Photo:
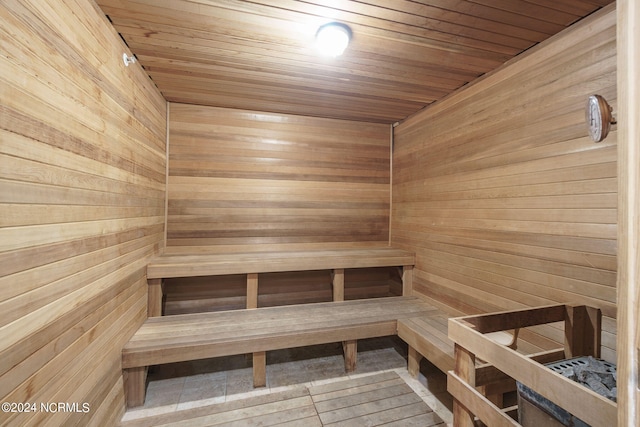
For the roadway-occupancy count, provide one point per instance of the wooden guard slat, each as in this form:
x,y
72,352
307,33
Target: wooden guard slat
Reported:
x,y
477,404
501,321
487,374
465,362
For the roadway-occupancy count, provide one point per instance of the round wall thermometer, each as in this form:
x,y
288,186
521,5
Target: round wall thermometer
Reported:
x,y
599,117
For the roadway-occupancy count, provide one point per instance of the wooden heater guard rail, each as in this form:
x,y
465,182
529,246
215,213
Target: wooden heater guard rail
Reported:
x,y
582,338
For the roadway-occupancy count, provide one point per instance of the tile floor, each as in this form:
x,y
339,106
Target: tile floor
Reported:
x,y
186,385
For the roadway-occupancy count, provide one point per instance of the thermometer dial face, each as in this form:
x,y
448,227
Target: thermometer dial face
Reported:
x,y
598,115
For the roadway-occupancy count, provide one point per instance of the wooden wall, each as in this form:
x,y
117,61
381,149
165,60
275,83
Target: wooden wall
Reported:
x,y
503,196
82,187
252,181
244,180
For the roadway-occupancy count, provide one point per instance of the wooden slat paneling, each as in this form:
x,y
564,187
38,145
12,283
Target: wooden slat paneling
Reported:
x,y
501,194
82,184
260,54
249,181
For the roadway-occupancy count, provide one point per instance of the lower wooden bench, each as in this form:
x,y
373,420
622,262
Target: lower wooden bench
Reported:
x,y
427,337
204,335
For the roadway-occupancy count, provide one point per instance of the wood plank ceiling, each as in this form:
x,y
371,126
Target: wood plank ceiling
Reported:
x,y
259,55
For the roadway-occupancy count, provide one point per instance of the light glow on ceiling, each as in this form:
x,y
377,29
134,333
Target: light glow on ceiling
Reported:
x,y
332,39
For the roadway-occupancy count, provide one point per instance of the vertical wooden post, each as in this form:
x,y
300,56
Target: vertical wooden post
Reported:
x,y
465,368
350,349
260,369
338,284
582,327
252,290
154,297
135,384
407,280
260,358
628,146
414,358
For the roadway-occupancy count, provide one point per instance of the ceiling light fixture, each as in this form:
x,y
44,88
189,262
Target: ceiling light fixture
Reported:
x,y
333,38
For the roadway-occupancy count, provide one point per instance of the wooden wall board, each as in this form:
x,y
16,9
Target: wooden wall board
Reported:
x,y
501,194
82,183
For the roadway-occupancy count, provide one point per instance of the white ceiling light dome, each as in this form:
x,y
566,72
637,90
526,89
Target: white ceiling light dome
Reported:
x,y
333,38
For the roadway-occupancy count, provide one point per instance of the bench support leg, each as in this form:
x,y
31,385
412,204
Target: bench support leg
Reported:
x,y
154,299
135,386
260,369
350,349
414,358
407,280
252,290
337,277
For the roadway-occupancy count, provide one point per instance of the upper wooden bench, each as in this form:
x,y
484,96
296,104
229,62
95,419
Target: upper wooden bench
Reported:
x,y
253,263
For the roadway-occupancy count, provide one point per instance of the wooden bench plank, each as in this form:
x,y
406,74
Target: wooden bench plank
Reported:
x,y
165,266
427,335
192,336
280,319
